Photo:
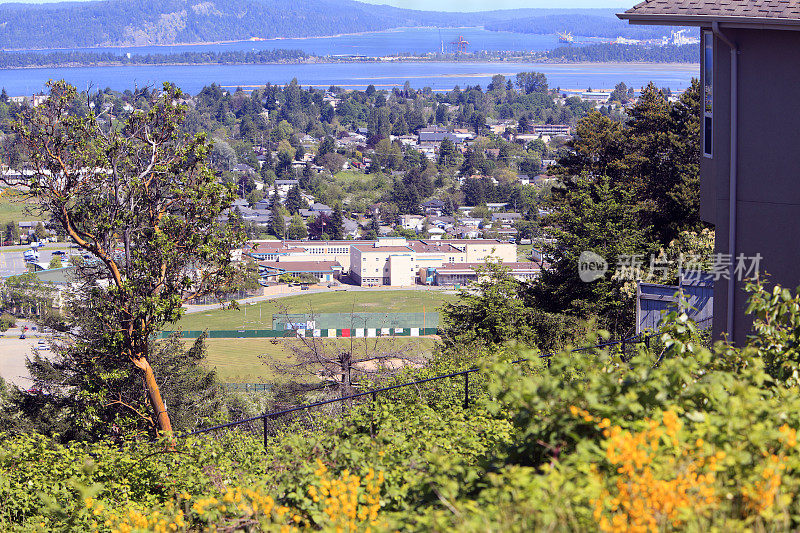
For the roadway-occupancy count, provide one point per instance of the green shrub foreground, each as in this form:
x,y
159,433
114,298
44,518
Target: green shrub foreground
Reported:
x,y
681,437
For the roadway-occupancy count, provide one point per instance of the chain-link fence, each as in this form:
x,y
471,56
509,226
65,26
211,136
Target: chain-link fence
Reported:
x,y
458,388
354,321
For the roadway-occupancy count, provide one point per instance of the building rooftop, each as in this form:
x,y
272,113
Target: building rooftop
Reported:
x,y
301,266
771,13
373,248
461,267
437,246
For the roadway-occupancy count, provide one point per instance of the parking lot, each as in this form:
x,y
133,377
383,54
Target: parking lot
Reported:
x,y
13,353
12,262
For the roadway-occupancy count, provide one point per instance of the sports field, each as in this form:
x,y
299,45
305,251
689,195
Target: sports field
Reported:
x,y
239,361
259,315
13,207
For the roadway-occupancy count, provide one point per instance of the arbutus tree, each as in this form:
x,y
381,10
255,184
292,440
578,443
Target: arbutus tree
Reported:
x,y
140,198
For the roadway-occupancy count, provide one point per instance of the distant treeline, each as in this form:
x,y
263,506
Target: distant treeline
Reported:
x,y
604,25
35,59
610,53
595,53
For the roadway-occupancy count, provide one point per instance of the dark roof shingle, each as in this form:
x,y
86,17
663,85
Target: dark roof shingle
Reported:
x,y
743,11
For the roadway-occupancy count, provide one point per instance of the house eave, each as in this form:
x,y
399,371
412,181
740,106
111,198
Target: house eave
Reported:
x,y
755,23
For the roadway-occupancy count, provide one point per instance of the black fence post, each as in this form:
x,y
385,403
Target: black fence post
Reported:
x,y
266,430
466,390
623,350
372,418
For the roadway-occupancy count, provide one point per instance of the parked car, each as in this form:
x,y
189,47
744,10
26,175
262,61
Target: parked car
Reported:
x,y
22,336
59,252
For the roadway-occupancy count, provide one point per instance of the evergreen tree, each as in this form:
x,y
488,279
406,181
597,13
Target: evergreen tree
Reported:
x,y
297,229
374,228
327,146
448,154
599,215
294,201
277,225
12,232
400,127
336,230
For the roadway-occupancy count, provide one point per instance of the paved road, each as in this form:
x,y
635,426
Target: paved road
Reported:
x,y
13,353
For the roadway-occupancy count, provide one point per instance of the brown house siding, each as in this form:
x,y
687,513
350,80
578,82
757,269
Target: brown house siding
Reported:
x,y
768,191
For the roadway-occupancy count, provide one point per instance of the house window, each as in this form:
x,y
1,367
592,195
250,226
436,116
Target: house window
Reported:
x,y
708,93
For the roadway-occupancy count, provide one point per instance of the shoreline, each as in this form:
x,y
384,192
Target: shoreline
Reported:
x,y
110,64
236,41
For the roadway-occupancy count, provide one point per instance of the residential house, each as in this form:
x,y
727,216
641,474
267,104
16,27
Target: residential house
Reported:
x,y
551,129
434,207
597,96
408,140
471,222
506,219
243,169
436,233
351,228
428,150
443,222
412,222
316,209
748,169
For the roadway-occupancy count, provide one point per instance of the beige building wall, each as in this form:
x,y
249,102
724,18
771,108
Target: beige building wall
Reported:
x,y
478,252
401,270
324,251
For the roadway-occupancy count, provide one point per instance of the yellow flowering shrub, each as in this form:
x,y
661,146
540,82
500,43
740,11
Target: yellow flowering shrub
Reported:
x,y
655,477
347,503
661,475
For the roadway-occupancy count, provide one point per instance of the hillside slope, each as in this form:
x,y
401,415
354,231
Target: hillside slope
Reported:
x,y
144,22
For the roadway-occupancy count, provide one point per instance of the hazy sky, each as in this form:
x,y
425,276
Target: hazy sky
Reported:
x,y
467,5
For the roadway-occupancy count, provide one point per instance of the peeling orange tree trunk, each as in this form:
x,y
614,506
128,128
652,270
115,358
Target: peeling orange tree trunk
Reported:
x,y
154,394
145,188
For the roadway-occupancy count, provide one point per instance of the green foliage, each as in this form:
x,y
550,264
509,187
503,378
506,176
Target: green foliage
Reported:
x,y
584,441
493,311
532,82
7,321
163,214
12,232
596,215
777,330
80,394
297,229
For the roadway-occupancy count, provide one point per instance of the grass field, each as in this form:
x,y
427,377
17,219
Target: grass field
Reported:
x,y
13,208
259,315
237,360
523,251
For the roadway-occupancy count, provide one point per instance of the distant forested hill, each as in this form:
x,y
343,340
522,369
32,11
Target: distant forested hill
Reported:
x,y
143,22
592,25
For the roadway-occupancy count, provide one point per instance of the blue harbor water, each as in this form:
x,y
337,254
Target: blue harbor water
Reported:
x,y
437,76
